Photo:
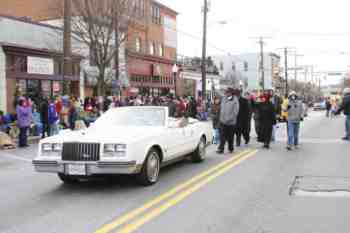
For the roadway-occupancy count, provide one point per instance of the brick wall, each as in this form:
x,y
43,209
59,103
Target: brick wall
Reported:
x,y
37,10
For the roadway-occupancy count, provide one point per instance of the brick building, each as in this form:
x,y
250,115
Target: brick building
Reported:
x,y
151,46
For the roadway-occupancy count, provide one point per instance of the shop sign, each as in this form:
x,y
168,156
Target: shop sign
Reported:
x,y
38,65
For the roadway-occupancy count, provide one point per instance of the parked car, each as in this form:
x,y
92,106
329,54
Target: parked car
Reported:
x,y
128,140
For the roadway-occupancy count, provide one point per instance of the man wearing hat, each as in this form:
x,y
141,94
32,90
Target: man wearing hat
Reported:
x,y
345,107
295,116
228,119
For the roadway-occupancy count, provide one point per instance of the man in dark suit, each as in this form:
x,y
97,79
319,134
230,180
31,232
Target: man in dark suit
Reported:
x,y
243,121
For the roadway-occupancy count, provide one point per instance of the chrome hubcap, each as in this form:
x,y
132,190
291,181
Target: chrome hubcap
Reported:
x,y
153,167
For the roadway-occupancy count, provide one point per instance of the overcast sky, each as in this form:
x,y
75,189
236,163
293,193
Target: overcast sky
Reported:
x,y
318,29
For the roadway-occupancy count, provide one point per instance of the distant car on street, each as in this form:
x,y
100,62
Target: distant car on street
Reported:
x,y
128,140
320,106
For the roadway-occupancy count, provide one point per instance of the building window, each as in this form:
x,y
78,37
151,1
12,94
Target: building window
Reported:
x,y
156,18
139,8
138,44
152,48
246,66
142,8
161,50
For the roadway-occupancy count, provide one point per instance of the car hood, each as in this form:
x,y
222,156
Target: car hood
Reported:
x,y
117,134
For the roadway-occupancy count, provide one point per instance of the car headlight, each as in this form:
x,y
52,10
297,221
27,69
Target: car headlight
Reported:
x,y
114,150
51,149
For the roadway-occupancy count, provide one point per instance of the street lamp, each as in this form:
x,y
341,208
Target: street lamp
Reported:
x,y
175,70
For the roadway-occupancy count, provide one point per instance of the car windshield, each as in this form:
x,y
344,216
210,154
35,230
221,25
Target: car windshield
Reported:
x,y
133,117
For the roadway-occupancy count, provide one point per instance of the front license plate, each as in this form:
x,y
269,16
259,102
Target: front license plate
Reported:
x,y
76,169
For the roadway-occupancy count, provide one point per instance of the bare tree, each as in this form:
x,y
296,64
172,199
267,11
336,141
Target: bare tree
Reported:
x,y
102,27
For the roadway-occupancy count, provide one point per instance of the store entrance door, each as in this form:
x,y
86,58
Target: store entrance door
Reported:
x,y
34,90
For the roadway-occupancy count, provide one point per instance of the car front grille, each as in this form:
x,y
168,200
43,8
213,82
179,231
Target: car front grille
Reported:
x,y
81,151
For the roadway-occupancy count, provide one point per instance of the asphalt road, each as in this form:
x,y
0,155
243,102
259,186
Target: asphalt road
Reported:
x,y
247,192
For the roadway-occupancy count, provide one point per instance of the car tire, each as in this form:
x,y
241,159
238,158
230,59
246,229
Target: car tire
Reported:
x,y
199,154
150,170
67,179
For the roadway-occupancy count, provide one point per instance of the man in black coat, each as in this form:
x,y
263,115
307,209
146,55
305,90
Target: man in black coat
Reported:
x,y
243,121
44,113
267,119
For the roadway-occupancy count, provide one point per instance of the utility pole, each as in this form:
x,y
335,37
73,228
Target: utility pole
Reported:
x,y
261,63
261,42
286,69
296,69
305,79
67,46
204,51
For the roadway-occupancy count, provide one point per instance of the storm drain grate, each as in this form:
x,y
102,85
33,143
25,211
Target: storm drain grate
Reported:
x,y
320,186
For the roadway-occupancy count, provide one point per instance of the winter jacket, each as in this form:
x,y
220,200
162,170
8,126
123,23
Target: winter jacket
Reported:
x,y
295,111
267,118
229,110
345,106
52,114
244,112
24,116
44,112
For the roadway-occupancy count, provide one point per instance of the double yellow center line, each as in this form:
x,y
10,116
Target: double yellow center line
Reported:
x,y
174,196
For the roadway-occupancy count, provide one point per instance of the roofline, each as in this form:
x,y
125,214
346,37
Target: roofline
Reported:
x,y
43,50
21,19
165,7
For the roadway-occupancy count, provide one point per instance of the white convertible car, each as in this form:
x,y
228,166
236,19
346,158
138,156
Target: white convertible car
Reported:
x,y
129,140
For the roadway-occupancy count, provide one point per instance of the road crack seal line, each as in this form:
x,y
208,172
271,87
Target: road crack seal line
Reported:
x,y
137,212
182,195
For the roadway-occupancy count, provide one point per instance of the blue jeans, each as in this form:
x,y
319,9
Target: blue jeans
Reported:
x,y
347,126
53,129
293,133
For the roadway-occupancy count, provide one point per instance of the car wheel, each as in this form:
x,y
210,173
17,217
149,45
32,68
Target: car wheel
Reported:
x,y
199,154
67,179
150,170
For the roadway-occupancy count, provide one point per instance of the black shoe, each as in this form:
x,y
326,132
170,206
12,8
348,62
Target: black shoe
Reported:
x,y
232,151
267,146
289,148
345,138
219,151
238,145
